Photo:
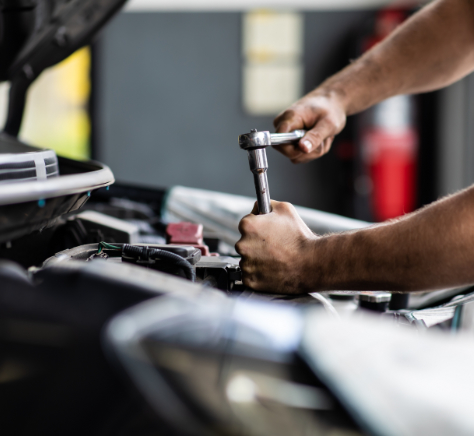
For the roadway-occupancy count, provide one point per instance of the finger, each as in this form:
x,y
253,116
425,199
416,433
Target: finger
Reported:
x,y
283,207
246,276
275,203
247,280
303,157
255,280
247,266
250,282
289,150
238,247
249,274
255,209
315,137
245,226
327,144
321,150
288,121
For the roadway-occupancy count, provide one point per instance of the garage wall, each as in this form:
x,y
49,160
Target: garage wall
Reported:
x,y
455,167
168,103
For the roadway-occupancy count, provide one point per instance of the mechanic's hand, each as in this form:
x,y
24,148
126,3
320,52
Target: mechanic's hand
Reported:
x,y
322,114
276,250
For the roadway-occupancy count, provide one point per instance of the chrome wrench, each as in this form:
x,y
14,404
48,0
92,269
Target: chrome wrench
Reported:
x,y
255,143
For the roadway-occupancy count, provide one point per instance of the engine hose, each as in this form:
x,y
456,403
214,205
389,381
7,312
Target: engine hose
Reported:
x,y
145,253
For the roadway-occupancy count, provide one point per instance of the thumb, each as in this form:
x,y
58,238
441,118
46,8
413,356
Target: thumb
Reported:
x,y
255,209
315,137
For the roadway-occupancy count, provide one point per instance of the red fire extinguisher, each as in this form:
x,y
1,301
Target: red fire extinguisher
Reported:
x,y
389,142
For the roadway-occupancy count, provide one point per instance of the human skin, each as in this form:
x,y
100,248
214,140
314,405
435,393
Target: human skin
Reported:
x,y
429,249
431,50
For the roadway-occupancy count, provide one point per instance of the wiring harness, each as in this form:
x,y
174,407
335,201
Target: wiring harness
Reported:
x,y
156,254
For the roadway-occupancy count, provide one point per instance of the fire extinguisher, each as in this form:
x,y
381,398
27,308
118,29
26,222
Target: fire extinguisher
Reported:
x,y
389,142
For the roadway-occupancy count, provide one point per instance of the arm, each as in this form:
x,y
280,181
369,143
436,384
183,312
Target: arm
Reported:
x,y
432,49
432,248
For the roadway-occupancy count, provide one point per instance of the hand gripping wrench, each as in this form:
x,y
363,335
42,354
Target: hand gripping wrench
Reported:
x,y
255,144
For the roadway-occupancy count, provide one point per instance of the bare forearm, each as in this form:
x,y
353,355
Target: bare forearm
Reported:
x,y
430,249
433,49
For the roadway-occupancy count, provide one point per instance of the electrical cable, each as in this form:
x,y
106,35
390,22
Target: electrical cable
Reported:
x,y
145,253
107,246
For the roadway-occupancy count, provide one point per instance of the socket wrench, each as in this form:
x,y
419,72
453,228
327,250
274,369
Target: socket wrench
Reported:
x,y
255,143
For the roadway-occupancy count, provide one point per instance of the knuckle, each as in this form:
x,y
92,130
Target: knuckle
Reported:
x,y
288,151
341,122
247,280
332,124
336,124
317,111
239,247
316,137
250,280
293,118
285,206
245,226
286,115
256,285
275,204
318,151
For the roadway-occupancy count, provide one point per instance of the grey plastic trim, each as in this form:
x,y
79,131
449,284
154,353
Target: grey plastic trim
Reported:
x,y
246,5
22,192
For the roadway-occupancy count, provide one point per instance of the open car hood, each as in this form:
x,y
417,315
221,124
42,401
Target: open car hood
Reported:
x,y
36,34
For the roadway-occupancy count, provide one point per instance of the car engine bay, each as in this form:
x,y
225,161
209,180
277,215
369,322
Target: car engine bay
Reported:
x,y
123,310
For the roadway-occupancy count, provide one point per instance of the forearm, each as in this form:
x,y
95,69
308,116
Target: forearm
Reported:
x,y
430,249
432,49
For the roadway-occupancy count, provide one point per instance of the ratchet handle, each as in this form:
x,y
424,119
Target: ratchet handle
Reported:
x,y
263,193
259,166
286,138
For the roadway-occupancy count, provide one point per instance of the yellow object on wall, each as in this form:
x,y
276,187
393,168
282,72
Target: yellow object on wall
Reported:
x,y
56,113
272,71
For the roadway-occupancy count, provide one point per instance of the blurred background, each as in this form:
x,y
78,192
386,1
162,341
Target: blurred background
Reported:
x,y
166,89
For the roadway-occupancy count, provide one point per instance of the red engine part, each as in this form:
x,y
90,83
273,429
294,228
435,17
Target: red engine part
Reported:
x,y
187,234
